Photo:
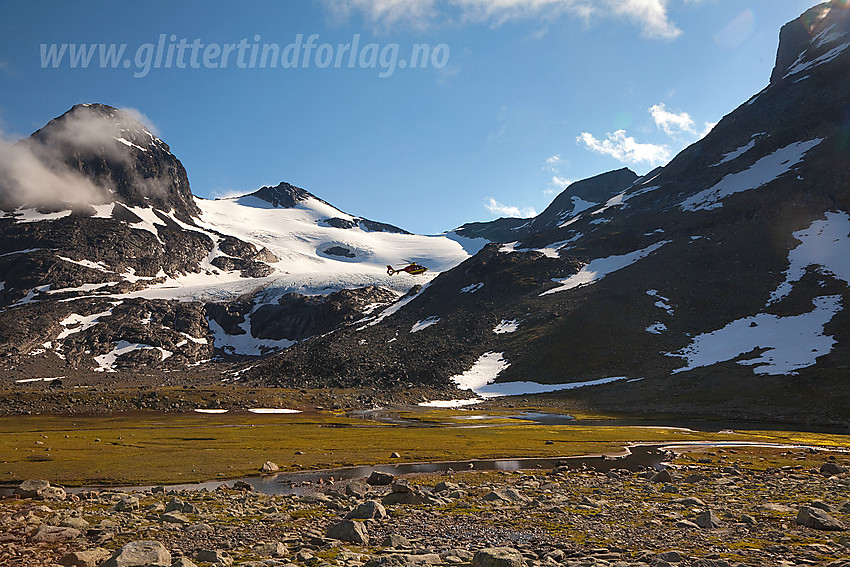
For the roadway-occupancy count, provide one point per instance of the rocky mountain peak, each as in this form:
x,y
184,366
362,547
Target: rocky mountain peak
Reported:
x,y
283,195
95,154
817,36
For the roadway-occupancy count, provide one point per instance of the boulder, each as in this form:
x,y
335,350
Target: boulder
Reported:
x,y
269,467
508,495
174,518
350,531
378,478
183,562
830,468
126,504
445,485
53,534
88,558
687,524
403,560
396,542
670,556
356,489
54,493
273,549
32,488
75,522
498,557
708,520
145,553
411,498
689,501
214,556
369,510
711,563
818,519
662,476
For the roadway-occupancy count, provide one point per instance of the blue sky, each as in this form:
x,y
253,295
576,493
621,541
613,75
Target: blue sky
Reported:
x,y
512,100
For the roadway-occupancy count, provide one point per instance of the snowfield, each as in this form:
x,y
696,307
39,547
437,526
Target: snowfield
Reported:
x,y
480,379
762,172
601,267
782,345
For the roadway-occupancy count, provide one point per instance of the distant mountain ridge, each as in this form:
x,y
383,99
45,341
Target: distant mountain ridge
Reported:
x,y
716,284
108,262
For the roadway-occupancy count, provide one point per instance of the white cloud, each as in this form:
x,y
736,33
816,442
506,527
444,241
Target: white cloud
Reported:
x,y
672,123
709,126
675,124
649,15
385,13
553,162
561,182
503,210
625,148
557,184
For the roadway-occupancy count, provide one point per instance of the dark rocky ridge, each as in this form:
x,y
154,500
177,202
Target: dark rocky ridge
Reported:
x,y
594,190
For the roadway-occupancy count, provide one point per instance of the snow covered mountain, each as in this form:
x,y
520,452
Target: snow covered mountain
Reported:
x,y
717,283
108,261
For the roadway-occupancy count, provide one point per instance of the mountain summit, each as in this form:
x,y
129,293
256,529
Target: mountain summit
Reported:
x,y
95,154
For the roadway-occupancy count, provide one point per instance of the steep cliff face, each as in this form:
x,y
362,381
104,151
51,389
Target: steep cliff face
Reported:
x,y
117,154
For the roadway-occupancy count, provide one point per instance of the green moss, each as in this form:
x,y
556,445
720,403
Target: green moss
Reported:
x,y
153,448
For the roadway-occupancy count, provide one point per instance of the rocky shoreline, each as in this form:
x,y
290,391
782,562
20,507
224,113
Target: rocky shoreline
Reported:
x,y
708,509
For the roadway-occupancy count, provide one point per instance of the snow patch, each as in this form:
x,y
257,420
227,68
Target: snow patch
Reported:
x,y
799,66
601,267
506,326
450,403
787,343
32,215
245,344
106,362
212,411
761,173
824,244
29,380
273,410
79,323
579,205
480,379
656,328
99,266
736,154
620,199
424,324
472,288
394,308
662,303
